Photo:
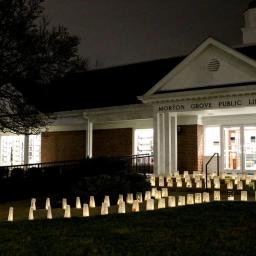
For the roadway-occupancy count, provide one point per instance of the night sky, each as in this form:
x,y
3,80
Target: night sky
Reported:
x,y
117,32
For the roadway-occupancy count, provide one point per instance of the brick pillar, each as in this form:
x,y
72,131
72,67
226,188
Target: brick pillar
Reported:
x,y
190,148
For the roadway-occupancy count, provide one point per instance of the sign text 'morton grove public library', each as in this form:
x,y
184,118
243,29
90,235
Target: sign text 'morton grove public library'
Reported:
x,y
205,105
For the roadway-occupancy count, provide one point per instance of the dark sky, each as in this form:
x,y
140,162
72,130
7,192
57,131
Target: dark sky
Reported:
x,y
116,32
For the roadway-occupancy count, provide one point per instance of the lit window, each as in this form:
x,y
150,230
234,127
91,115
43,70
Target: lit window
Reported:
x,y
34,149
211,140
143,141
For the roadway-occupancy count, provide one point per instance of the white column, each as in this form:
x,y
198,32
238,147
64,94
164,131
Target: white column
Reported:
x,y
165,143
89,138
174,145
26,149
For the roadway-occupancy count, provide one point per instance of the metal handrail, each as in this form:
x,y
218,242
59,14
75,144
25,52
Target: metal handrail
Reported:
x,y
206,166
135,161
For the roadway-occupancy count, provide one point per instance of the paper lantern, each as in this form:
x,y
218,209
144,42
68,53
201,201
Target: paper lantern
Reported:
x,y
244,175
168,179
240,185
190,199
153,192
179,183
86,212
212,174
217,183
243,195
187,179
164,192
161,181
248,180
104,208
231,196
176,174
67,213
161,203
121,207
152,180
107,201
49,213
189,184
209,183
135,206
230,184
199,184
92,202
206,197
158,194
171,201
78,203
170,183
129,198
47,203
181,200
139,197
147,195
223,175
195,174
186,174
237,179
234,174
197,178
120,199
198,198
64,203
33,204
31,213
150,205
216,195
10,214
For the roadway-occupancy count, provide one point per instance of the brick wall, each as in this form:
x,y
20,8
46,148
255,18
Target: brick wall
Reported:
x,y
112,142
190,148
61,146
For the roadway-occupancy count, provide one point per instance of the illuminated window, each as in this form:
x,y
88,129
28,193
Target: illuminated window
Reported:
x,y
143,141
211,140
34,149
12,150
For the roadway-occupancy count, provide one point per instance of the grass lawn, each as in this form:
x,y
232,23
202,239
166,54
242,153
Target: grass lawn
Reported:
x,y
218,228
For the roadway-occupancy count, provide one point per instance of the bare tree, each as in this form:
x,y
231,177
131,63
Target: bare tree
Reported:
x,y
30,52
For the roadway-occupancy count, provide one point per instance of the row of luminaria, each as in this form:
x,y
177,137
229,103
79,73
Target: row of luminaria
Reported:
x,y
201,182
152,202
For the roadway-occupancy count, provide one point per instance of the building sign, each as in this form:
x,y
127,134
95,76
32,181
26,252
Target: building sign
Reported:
x,y
207,104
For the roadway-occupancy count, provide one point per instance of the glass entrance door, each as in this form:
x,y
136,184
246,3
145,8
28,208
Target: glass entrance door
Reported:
x,y
232,148
249,148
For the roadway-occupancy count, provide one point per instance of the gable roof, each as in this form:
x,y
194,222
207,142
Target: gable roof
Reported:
x,y
198,70
100,88
106,87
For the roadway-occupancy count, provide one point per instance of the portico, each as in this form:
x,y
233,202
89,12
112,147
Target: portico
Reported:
x,y
209,83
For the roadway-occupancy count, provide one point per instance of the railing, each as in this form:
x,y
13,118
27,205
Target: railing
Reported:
x,y
140,164
206,166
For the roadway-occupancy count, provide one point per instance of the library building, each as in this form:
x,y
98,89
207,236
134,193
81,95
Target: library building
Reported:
x,y
181,111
